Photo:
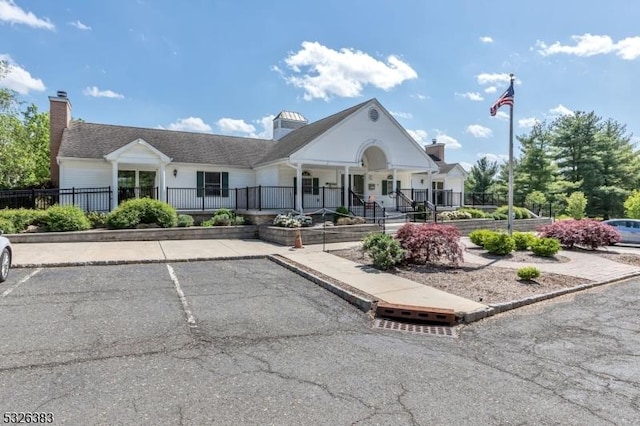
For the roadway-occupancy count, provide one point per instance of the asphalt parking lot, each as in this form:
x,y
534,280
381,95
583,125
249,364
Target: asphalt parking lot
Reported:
x,y
248,342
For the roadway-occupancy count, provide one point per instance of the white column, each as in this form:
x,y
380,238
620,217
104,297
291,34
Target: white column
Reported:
x,y
345,201
430,187
162,191
395,185
299,188
114,185
462,193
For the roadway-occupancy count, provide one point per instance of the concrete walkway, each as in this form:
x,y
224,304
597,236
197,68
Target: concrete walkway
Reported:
x,y
379,285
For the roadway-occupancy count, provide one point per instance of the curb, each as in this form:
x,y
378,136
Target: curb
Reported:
x,y
499,308
134,262
362,303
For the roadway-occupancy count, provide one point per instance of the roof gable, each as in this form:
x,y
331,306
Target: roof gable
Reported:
x,y
297,139
131,146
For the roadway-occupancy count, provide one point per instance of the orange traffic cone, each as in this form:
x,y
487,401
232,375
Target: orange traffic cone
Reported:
x,y
298,242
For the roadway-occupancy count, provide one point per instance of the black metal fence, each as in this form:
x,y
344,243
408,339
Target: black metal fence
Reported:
x,y
88,199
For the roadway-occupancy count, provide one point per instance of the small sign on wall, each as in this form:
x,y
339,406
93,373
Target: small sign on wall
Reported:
x,y
372,187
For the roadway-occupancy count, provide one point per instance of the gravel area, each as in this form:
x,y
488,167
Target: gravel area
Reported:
x,y
485,284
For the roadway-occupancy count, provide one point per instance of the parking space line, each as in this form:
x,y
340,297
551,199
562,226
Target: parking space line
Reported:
x,y
185,305
25,279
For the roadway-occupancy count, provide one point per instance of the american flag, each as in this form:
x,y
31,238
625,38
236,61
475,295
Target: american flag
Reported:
x,y
505,99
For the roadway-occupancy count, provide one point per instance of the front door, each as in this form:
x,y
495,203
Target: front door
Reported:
x,y
136,184
358,185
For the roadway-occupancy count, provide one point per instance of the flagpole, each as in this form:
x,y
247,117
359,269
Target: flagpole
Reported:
x,y
510,210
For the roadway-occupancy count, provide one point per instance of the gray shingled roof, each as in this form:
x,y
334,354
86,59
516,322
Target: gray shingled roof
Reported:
x,y
87,140
444,167
295,140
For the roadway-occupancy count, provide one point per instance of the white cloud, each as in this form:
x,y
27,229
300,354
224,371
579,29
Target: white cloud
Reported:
x,y
449,142
561,110
95,92
79,25
501,115
242,128
232,125
419,97
527,123
420,136
12,13
323,72
479,131
406,115
494,78
190,124
486,39
19,79
590,45
491,89
466,166
494,157
472,96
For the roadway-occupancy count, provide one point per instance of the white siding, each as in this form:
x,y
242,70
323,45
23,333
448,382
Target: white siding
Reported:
x,y
85,174
343,143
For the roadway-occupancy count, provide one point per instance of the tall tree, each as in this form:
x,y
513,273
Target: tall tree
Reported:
x,y
483,174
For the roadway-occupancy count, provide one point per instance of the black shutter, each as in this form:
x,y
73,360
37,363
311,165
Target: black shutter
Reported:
x,y
200,184
225,184
384,187
316,186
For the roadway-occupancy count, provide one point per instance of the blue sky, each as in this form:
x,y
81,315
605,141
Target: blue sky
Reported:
x,y
227,67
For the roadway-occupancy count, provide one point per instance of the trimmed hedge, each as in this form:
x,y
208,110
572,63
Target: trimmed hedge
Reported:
x,y
65,218
134,212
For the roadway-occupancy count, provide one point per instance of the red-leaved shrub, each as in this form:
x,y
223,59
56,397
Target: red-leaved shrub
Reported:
x,y
584,233
429,243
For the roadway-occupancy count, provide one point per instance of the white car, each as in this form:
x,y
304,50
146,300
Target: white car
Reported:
x,y
5,257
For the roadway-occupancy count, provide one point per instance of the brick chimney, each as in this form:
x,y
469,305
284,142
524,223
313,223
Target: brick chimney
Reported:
x,y
435,150
59,119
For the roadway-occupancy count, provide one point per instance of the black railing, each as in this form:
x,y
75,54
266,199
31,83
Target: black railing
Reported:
x,y
199,199
88,199
484,199
127,193
403,202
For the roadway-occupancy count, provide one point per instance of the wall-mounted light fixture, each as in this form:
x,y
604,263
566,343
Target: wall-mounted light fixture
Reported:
x,y
421,180
175,173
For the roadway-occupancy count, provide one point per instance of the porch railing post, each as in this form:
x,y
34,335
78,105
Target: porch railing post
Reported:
x,y
236,198
323,191
260,197
204,193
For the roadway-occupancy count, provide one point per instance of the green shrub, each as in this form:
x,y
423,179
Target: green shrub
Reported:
x,y
523,240
384,250
518,212
421,212
97,219
545,247
185,221
499,216
22,218
499,243
341,211
528,273
65,218
7,226
207,223
576,205
479,236
137,211
221,220
475,213
223,212
238,220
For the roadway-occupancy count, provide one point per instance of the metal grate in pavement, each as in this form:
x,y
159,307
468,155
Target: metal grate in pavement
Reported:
x,y
432,330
